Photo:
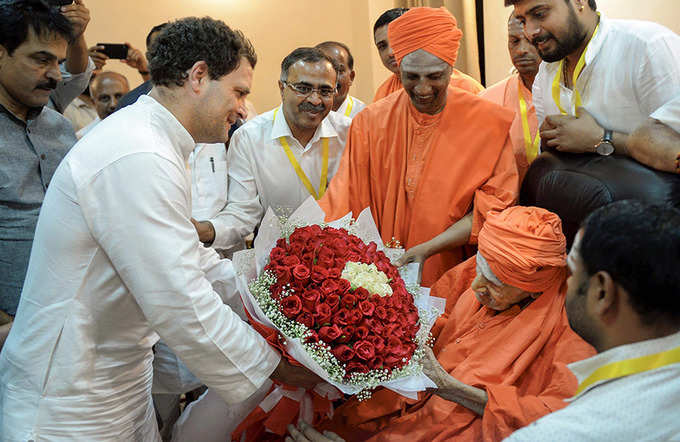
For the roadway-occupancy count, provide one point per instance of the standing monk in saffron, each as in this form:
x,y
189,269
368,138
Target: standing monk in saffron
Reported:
x,y
430,160
393,83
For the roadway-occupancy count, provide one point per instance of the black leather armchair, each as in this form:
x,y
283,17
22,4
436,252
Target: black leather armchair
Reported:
x,y
572,185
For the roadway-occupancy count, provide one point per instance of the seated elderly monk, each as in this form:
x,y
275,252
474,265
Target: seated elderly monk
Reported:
x,y
503,344
429,160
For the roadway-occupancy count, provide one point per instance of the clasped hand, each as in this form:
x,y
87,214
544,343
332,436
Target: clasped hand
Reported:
x,y
567,133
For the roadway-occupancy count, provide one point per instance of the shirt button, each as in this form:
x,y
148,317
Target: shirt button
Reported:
x,y
43,156
481,325
457,340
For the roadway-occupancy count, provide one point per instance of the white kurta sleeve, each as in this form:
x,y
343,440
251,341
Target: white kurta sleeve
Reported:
x,y
138,210
658,73
537,94
244,210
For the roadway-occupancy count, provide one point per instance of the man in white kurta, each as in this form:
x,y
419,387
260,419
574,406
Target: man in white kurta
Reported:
x,y
116,264
601,78
343,103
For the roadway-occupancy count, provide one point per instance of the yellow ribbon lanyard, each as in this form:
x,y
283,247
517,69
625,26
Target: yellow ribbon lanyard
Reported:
x,y
348,112
631,366
530,146
558,78
301,173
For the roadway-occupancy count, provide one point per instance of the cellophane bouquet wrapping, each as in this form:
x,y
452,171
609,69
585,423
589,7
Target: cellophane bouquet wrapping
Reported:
x,y
337,303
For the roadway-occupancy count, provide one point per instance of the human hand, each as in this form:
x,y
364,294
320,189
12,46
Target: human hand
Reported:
x,y
136,59
78,15
418,255
305,433
205,230
99,58
567,133
434,370
295,376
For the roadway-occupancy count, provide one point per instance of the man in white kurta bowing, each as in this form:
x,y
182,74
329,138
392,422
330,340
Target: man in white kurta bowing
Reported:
x,y
116,262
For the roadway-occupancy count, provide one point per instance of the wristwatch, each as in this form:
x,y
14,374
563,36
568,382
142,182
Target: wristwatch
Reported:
x,y
605,147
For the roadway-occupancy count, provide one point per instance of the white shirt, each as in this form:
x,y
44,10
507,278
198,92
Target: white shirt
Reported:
x,y
669,114
115,264
632,69
351,106
639,407
261,176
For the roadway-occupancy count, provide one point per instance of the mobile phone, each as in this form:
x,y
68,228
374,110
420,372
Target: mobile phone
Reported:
x,y
59,2
114,50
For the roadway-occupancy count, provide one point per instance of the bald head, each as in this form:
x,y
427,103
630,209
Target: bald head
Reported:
x,y
106,89
344,65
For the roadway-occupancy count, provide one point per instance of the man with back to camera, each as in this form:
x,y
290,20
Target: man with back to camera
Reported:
x,y
123,265
106,89
393,83
514,93
602,78
343,103
623,300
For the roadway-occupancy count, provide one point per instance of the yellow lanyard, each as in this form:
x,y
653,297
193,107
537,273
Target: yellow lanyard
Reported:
x,y
631,366
348,112
558,78
301,173
531,147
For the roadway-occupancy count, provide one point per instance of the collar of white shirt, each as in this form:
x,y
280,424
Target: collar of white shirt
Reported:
x,y
592,50
583,369
280,129
168,124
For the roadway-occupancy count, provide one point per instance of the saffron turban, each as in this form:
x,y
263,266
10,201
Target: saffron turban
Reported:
x,y
525,247
434,30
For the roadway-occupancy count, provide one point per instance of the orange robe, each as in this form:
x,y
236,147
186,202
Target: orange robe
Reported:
x,y
420,173
506,93
458,79
517,356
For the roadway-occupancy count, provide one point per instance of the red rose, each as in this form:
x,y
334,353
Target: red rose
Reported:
x,y
381,313
341,317
367,308
306,318
295,249
291,306
330,333
326,254
348,300
392,361
364,350
290,261
355,316
313,337
309,299
327,264
329,286
282,275
333,301
378,328
343,353
301,273
376,363
339,246
340,263
300,235
378,343
394,330
308,259
281,243
355,367
277,253
322,313
361,294
334,272
361,332
347,334
344,286
319,274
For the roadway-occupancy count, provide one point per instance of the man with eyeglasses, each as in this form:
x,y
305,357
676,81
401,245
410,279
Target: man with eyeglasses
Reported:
x,y
430,160
283,156
343,103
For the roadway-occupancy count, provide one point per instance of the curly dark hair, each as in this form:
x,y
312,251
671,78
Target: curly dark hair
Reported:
x,y
184,42
17,16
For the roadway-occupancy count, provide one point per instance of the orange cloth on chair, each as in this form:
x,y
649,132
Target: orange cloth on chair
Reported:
x,y
505,93
517,356
420,173
458,79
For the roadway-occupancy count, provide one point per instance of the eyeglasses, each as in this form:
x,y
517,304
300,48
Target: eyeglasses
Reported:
x,y
305,91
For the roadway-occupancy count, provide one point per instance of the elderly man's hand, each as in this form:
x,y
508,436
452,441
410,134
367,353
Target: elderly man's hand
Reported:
x,y
295,376
305,433
566,133
433,370
78,15
136,59
99,58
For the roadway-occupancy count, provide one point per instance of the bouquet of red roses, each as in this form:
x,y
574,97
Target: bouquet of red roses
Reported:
x,y
337,303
